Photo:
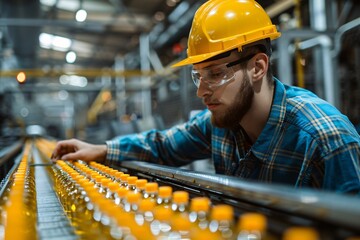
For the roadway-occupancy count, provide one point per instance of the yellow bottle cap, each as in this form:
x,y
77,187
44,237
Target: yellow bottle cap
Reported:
x,y
222,212
105,182
301,233
151,187
132,180
165,191
98,178
200,204
118,175
124,177
180,197
140,183
252,221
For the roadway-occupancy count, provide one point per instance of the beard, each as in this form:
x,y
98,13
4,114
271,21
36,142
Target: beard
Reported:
x,y
237,110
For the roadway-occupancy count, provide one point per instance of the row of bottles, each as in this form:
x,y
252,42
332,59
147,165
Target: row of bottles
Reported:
x,y
18,202
104,203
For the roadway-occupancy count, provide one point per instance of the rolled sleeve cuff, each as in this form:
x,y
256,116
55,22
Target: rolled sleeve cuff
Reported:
x,y
113,152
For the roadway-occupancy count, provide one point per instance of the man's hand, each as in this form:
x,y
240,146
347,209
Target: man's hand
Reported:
x,y
74,149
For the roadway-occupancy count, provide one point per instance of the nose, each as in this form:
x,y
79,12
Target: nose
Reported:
x,y
203,90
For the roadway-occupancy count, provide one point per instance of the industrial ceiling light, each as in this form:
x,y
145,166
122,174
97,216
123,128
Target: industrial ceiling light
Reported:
x,y
70,57
81,15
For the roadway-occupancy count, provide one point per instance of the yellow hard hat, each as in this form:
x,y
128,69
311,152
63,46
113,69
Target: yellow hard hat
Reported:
x,y
222,25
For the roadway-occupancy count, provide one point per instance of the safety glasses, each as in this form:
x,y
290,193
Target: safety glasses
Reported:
x,y
216,76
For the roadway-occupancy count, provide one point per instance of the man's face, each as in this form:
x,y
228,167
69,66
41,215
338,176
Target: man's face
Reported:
x,y
229,102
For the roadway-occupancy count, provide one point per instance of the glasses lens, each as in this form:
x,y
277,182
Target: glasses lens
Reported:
x,y
195,75
213,77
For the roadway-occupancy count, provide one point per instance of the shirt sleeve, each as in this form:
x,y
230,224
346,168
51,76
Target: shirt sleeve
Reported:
x,y
176,146
342,170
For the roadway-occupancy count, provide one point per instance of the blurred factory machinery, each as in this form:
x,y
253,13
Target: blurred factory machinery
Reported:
x,y
98,69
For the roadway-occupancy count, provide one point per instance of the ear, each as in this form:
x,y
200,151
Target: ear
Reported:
x,y
260,66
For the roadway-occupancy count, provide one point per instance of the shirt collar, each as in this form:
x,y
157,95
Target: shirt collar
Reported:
x,y
274,122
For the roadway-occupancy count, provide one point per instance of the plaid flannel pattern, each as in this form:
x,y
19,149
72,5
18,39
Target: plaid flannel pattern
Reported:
x,y
305,143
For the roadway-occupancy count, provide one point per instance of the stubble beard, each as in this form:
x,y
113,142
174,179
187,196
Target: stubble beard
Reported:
x,y
237,110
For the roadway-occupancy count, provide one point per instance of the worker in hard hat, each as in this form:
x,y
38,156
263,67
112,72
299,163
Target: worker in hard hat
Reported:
x,y
254,127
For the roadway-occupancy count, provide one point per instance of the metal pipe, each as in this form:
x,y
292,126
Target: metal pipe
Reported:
x,y
340,32
146,110
325,43
329,207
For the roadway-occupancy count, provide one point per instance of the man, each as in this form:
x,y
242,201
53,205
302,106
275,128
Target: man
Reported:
x,y
254,127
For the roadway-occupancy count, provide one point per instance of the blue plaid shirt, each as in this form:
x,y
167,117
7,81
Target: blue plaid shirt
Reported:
x,y
305,143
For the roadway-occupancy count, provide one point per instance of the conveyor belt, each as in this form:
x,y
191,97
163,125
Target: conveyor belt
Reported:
x,y
52,222
334,216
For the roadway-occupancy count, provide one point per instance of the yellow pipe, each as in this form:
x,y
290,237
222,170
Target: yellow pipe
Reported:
x,y
298,55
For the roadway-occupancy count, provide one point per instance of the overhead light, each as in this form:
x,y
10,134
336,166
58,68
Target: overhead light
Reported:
x,y
70,57
81,15
21,77
73,80
58,43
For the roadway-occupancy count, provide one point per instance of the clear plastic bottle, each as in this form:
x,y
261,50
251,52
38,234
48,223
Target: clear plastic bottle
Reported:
x,y
120,196
140,186
180,227
222,220
118,177
132,200
151,191
252,226
111,190
180,202
124,181
104,185
132,183
200,212
161,226
145,212
164,196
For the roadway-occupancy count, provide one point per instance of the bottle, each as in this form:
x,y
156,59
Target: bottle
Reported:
x,y
140,186
161,225
124,182
104,184
180,227
132,183
120,195
180,201
222,220
132,200
118,177
111,190
151,191
252,226
300,233
145,212
199,212
164,196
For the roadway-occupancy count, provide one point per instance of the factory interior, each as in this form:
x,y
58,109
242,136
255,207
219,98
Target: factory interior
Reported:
x,y
95,70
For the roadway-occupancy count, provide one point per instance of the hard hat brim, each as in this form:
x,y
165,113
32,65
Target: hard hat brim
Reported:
x,y
196,59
